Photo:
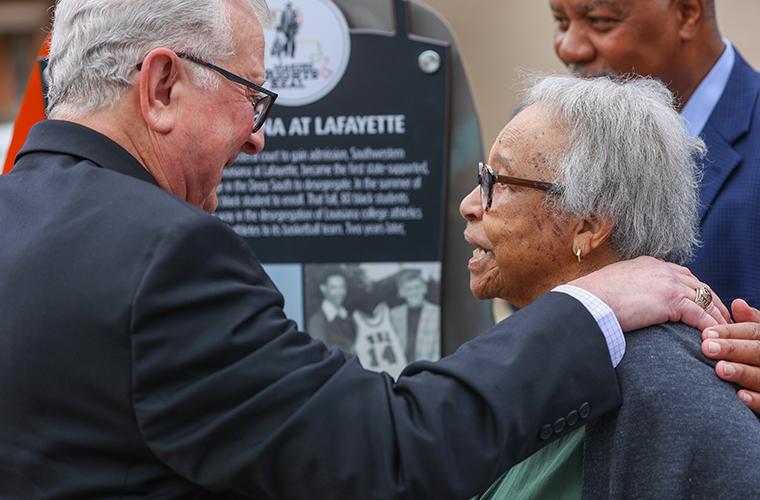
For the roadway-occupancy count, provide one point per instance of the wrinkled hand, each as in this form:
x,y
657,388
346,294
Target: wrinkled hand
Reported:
x,y
738,347
646,291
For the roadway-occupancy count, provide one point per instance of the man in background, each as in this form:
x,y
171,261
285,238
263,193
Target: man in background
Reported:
x,y
679,42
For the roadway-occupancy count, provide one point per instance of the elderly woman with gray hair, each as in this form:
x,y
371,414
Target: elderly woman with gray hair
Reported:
x,y
593,171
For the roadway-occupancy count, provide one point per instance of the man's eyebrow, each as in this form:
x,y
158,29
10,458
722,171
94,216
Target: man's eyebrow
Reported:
x,y
591,5
502,162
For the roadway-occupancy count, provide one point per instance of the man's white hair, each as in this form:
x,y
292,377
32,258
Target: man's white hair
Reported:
x,y
628,157
97,44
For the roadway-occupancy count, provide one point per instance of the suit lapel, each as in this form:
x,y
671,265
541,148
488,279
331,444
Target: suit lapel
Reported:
x,y
426,318
403,323
729,121
720,162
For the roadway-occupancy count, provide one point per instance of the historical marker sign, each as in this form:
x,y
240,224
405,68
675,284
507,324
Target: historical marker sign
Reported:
x,y
354,170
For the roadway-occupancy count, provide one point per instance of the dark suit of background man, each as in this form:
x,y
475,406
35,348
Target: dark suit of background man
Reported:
x,y
678,42
143,350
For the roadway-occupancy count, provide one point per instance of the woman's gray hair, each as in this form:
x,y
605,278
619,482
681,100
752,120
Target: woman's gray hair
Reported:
x,y
629,158
97,44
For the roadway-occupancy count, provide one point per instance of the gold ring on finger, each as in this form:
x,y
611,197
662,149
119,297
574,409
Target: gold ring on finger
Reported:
x,y
703,297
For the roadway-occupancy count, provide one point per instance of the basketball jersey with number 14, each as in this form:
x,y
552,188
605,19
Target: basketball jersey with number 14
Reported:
x,y
377,344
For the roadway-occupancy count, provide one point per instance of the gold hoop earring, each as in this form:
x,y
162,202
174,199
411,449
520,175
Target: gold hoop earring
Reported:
x,y
578,255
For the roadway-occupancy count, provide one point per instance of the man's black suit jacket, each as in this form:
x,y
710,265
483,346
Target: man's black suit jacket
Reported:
x,y
144,354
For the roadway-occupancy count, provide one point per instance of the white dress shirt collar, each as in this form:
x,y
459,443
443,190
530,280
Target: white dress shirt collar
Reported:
x,y
331,311
702,103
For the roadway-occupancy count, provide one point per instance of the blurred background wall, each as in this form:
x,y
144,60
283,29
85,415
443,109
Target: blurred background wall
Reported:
x,y
22,25
21,33
496,38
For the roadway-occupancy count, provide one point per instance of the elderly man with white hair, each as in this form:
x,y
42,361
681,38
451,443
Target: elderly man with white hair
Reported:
x,y
144,350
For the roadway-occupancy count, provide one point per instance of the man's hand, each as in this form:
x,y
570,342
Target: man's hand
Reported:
x,y
738,347
646,291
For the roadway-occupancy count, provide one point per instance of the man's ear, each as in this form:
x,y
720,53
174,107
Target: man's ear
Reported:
x,y
692,15
160,82
591,233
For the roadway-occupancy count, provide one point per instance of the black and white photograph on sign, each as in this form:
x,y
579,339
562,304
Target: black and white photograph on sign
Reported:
x,y
388,314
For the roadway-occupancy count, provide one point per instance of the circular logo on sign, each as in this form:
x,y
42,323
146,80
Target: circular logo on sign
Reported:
x,y
307,50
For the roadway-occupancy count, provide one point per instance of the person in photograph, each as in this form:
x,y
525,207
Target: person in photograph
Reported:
x,y
377,344
417,321
590,172
288,26
332,323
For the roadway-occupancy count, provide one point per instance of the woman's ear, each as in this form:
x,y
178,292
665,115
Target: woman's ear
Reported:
x,y
160,84
591,233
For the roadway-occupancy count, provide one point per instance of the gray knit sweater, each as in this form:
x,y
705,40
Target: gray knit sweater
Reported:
x,y
681,432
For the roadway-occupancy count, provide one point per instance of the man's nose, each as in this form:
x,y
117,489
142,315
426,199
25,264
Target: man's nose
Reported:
x,y
471,207
255,142
573,46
